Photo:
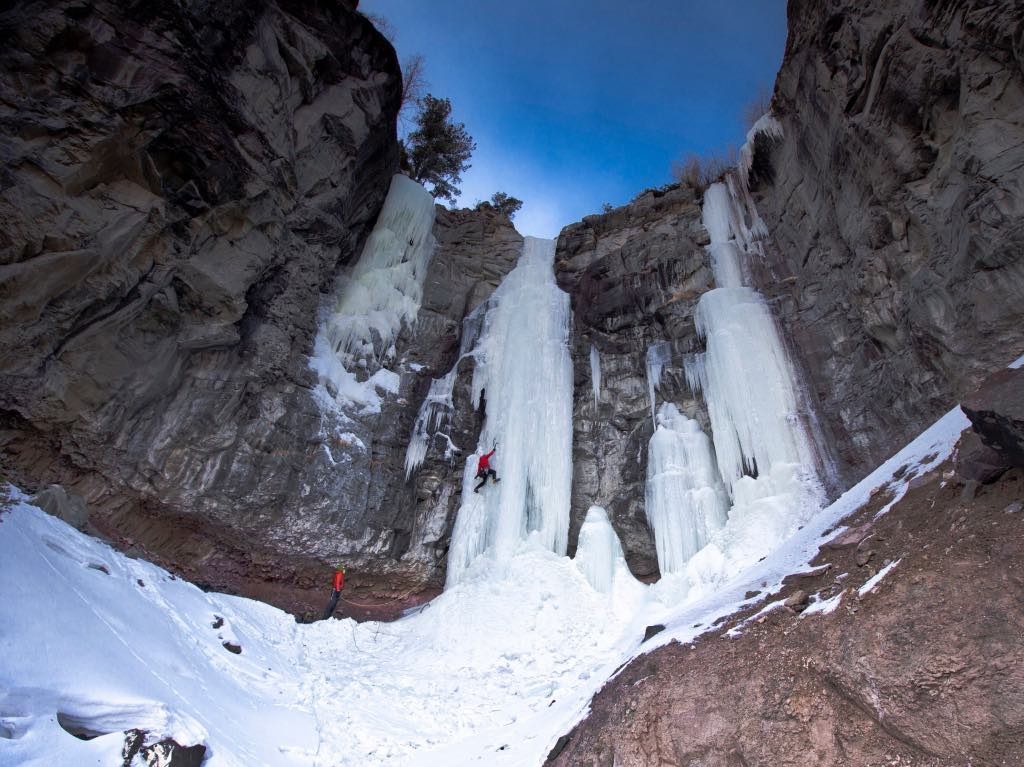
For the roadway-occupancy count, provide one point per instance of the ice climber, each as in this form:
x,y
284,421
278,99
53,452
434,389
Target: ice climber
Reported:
x,y
484,470
339,584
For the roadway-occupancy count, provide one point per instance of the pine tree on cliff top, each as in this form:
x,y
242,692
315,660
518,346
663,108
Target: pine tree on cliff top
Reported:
x,y
438,151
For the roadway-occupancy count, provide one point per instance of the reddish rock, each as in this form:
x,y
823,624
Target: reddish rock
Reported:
x,y
977,461
849,538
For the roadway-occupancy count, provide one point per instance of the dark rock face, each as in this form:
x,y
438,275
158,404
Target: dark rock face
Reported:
x,y
896,207
56,501
165,753
917,670
634,276
997,412
180,185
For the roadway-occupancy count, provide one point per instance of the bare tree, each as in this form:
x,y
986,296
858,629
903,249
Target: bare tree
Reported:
x,y
700,172
384,26
414,87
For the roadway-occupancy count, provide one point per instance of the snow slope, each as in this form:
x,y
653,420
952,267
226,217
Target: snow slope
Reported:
x,y
490,673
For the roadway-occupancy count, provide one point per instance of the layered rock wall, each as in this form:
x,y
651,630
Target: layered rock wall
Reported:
x,y
896,207
180,186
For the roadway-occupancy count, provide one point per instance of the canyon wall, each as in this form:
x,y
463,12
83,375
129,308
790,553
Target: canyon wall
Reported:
x,y
180,187
896,207
893,265
181,194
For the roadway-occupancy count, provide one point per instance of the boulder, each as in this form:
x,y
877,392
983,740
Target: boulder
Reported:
x,y
996,411
797,600
977,461
849,538
651,631
164,753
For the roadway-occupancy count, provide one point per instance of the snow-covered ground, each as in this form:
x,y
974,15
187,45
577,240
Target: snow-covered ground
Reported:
x,y
491,673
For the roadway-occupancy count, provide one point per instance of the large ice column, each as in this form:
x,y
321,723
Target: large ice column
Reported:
x,y
380,295
719,218
762,449
748,384
599,552
685,500
746,376
524,375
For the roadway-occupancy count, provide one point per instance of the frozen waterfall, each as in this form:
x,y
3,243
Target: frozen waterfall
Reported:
x,y
685,499
524,376
763,461
658,356
373,302
745,375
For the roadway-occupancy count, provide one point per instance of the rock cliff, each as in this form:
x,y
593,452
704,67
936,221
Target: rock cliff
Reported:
x,y
896,207
181,190
893,265
180,187
634,276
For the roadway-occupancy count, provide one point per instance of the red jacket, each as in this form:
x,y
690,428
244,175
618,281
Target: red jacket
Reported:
x,y
339,580
484,462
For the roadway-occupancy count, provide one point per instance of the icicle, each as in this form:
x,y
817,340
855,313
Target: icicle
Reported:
x,y
433,416
599,552
524,367
382,294
685,500
695,372
595,373
658,356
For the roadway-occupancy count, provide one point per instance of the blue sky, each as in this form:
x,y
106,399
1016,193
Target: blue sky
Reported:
x,y
575,104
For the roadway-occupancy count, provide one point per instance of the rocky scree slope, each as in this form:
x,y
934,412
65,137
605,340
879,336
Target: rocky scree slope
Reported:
x,y
180,184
